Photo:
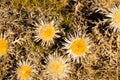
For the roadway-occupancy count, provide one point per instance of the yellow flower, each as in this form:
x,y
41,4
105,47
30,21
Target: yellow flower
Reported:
x,y
25,70
115,18
3,47
57,67
77,46
46,32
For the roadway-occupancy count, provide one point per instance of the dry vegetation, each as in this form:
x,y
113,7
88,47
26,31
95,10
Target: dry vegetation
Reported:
x,y
35,53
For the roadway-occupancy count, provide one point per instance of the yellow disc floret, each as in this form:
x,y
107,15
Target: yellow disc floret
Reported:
x,y
3,47
24,72
116,18
47,32
78,47
56,68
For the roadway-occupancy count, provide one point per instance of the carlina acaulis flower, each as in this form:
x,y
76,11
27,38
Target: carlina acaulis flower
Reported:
x,y
46,32
77,45
3,46
25,70
57,67
115,18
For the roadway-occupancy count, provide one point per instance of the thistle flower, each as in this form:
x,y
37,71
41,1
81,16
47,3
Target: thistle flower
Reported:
x,y
77,45
57,67
115,18
25,70
46,32
3,45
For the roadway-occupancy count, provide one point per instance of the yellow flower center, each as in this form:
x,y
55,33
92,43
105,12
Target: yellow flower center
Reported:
x,y
56,68
116,18
3,47
78,47
47,32
24,72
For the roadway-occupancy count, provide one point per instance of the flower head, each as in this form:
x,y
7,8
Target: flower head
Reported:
x,y
77,45
46,32
115,18
3,47
25,70
57,67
